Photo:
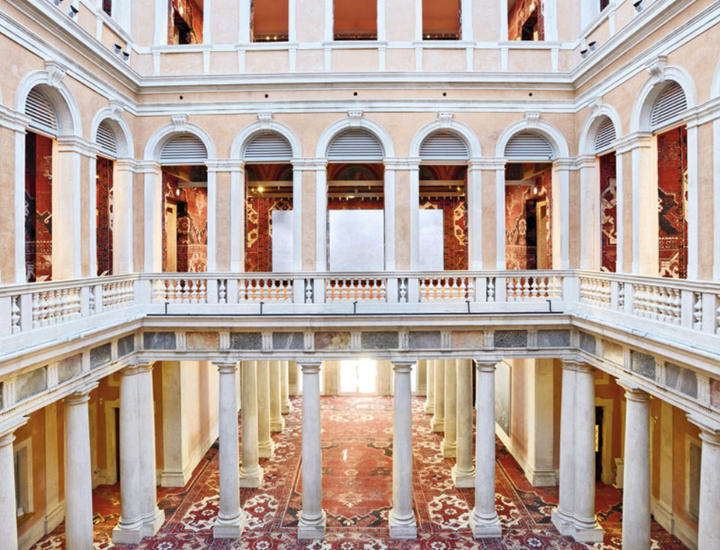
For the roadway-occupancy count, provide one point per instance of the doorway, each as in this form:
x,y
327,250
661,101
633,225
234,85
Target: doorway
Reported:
x,y
358,377
598,443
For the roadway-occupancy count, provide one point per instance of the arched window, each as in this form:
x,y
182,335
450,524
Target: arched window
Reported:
x,y
529,146
268,147
183,149
355,145
444,146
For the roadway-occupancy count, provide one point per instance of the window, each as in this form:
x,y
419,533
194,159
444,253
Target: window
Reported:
x,y
269,20
525,20
107,7
441,19
355,20
693,479
23,479
186,22
604,4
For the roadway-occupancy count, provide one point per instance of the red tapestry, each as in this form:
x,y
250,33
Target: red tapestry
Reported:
x,y
672,200
191,225
608,211
38,207
104,216
518,15
521,231
454,209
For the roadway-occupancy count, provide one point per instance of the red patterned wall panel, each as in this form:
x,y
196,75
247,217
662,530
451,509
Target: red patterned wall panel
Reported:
x,y
672,200
104,215
38,206
608,211
191,225
258,231
518,15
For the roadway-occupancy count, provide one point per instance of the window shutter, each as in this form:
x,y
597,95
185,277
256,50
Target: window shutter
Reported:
x,y
605,135
41,112
184,149
106,140
669,105
355,145
529,146
443,146
270,147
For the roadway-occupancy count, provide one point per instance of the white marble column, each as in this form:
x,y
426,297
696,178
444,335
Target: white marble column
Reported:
x,y
430,401
153,517
277,422
636,489
463,473
438,420
562,516
402,517
266,446
78,472
293,375
8,510
421,378
449,443
129,529
484,521
312,516
231,519
251,474
285,404
708,525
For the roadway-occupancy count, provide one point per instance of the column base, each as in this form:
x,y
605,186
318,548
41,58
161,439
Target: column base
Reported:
x,y
437,427
153,522
277,426
128,533
402,528
265,450
449,450
230,528
581,530
252,479
463,480
485,527
312,529
429,408
286,408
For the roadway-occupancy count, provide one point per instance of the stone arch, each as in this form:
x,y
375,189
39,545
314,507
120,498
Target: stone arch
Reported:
x,y
354,123
592,125
545,129
123,135
66,108
247,134
651,90
463,131
164,134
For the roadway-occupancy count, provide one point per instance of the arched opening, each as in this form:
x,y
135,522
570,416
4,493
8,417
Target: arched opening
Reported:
x,y
670,138
268,204
40,149
443,220
104,203
356,202
184,204
528,202
607,163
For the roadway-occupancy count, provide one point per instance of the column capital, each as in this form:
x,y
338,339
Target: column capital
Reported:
x,y
13,120
130,370
144,366
226,367
632,141
81,395
310,367
579,366
633,392
225,165
709,429
309,164
7,429
402,163
76,144
486,365
403,367
487,163
149,167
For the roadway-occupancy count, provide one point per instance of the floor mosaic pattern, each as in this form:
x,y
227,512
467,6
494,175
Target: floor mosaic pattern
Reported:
x,y
357,494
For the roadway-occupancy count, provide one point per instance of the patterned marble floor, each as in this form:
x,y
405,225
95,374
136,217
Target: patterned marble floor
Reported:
x,y
357,491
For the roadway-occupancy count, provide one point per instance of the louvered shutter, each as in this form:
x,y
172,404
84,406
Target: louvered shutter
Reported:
x,y
270,147
355,145
669,105
443,146
106,140
605,136
529,146
184,149
41,112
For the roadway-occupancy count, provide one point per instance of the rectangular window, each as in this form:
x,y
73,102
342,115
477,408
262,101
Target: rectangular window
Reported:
x,y
269,20
107,7
185,23
441,19
525,20
604,4
355,20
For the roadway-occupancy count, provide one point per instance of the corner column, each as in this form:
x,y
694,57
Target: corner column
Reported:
x,y
402,518
636,484
484,521
266,445
709,526
562,516
78,471
438,420
449,443
230,521
277,422
8,511
430,401
251,474
312,517
285,404
153,517
463,473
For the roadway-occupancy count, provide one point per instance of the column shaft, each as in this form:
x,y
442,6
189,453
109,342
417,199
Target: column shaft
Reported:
x,y
449,444
636,490
438,421
430,402
463,473
285,404
709,526
265,443
251,474
8,510
277,422
153,517
562,516
312,516
78,474
231,519
402,518
484,520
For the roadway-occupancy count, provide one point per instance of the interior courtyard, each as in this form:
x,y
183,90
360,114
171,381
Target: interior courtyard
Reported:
x,y
329,274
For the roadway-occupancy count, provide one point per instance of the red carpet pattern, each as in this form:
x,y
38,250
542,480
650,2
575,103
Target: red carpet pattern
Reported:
x,y
357,494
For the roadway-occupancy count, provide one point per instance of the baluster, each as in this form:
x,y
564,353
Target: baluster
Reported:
x,y
36,310
242,296
534,289
402,291
309,291
15,314
222,292
471,289
697,311
491,289
54,307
